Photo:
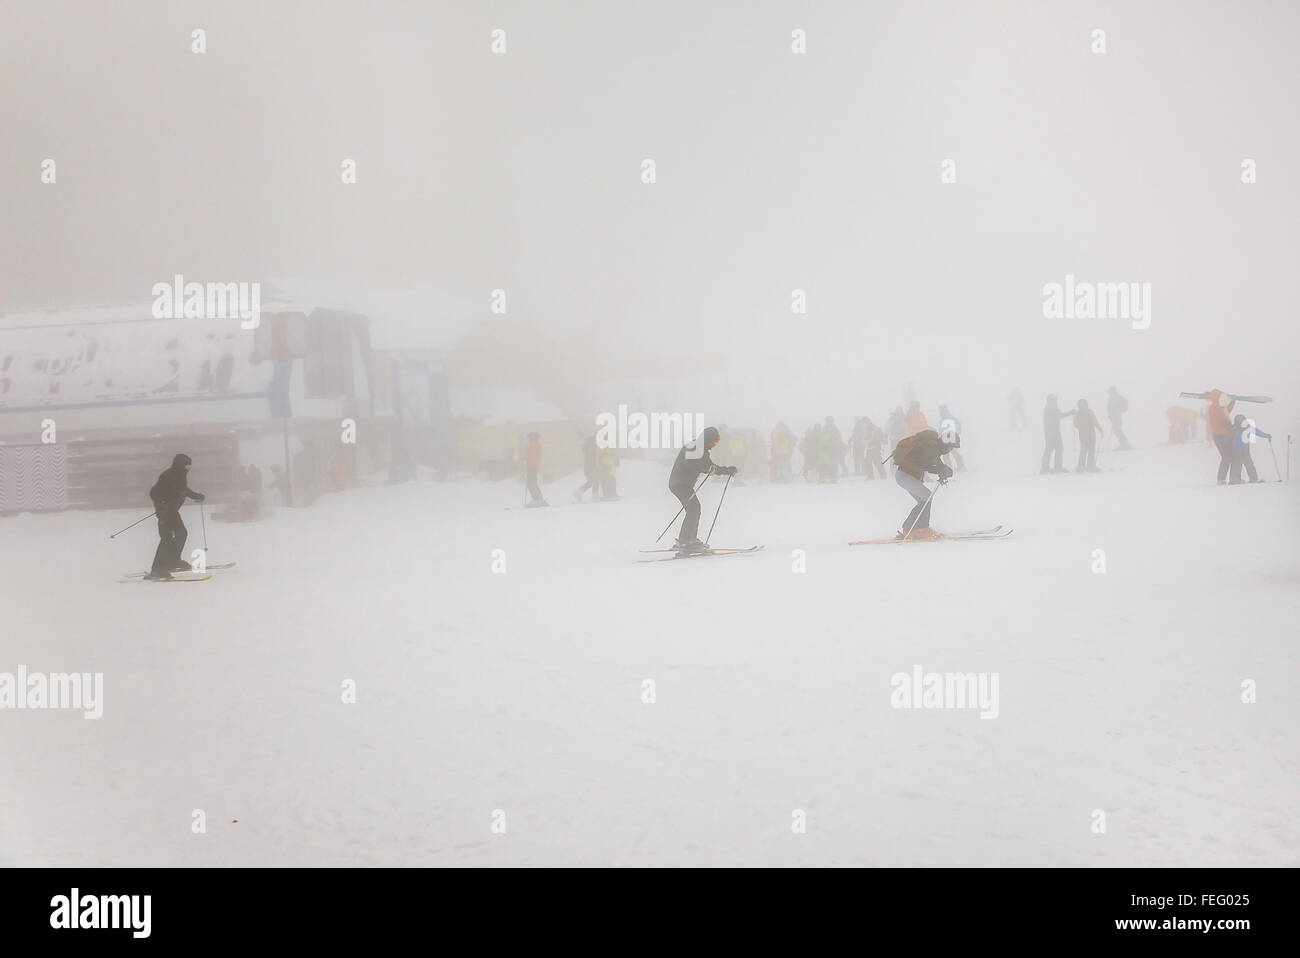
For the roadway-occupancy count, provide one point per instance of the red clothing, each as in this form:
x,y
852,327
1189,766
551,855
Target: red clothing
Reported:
x,y
1220,421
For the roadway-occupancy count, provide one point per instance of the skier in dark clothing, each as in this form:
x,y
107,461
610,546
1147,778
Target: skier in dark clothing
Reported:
x,y
590,471
858,442
1085,420
1052,417
915,456
1116,406
169,494
693,461
1242,439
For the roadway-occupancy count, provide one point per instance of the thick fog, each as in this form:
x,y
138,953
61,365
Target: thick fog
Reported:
x,y
397,603
775,171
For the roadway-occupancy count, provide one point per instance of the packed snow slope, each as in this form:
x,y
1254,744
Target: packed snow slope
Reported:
x,y
520,696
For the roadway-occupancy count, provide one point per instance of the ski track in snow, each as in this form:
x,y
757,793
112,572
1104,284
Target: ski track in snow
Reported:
x,y
522,691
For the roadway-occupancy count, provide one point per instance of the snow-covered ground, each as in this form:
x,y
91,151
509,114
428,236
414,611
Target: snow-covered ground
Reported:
x,y
523,691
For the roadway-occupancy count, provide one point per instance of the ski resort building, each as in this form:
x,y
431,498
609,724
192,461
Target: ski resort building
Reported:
x,y
95,402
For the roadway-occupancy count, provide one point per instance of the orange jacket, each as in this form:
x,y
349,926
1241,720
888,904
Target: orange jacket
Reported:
x,y
1220,423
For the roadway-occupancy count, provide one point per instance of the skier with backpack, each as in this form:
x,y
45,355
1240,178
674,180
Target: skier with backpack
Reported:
x,y
915,456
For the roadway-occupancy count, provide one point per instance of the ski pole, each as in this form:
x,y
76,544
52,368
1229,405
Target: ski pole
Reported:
x,y
133,525
908,531
725,486
203,519
679,511
1272,453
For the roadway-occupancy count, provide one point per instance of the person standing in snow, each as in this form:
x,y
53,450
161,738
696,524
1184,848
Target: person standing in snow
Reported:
x,y
875,443
169,494
810,447
607,472
533,464
1243,433
693,461
1054,448
1116,406
1222,432
915,456
1085,421
858,444
589,470
835,443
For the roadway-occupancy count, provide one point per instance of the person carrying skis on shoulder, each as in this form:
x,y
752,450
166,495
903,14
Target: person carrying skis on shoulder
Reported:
x,y
915,456
1220,429
169,494
1243,437
693,461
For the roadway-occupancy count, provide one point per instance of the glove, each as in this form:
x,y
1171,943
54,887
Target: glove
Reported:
x,y
943,480
199,496
730,470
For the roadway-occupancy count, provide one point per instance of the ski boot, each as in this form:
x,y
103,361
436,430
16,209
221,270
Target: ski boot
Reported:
x,y
692,547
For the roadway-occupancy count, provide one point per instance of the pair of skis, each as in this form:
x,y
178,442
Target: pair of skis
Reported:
x,y
179,576
996,532
1232,396
711,551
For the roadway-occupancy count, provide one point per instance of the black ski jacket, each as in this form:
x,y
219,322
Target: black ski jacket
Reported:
x,y
687,468
171,490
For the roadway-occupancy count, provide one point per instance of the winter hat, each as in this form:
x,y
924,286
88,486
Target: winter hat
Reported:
x,y
181,460
709,434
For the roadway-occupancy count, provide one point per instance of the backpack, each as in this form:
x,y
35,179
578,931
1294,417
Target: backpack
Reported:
x,y
906,446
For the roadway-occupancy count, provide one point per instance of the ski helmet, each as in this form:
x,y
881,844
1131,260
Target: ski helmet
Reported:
x,y
710,435
181,460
